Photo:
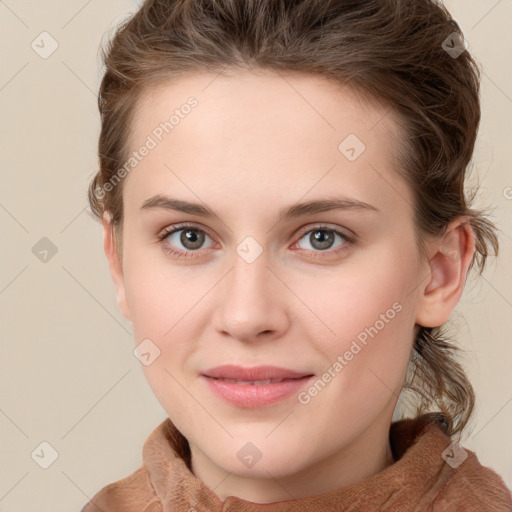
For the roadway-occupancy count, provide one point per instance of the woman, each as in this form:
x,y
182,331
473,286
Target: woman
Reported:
x,y
281,188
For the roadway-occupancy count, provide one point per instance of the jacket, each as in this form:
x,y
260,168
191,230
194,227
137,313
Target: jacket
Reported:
x,y
430,473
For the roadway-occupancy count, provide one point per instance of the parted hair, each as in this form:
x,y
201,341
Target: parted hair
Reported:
x,y
394,51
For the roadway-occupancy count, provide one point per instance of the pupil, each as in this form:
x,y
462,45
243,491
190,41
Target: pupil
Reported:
x,y
323,237
192,237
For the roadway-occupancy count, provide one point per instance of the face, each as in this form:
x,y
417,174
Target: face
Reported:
x,y
333,294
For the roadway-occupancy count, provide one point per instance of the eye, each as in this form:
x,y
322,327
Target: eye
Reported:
x,y
322,238
189,236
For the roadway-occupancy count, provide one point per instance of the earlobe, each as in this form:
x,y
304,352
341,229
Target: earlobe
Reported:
x,y
115,265
448,268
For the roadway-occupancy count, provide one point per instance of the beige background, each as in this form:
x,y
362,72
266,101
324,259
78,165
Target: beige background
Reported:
x,y
68,373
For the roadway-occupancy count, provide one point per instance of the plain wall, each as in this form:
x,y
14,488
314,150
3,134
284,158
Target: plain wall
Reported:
x,y
68,375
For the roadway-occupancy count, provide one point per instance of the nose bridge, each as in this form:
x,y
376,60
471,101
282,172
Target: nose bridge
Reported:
x,y
250,275
248,304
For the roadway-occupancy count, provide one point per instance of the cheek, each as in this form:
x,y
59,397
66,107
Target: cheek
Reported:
x,y
165,305
162,320
355,297
367,318
154,292
153,304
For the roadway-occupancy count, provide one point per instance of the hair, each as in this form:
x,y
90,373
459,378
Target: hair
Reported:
x,y
389,50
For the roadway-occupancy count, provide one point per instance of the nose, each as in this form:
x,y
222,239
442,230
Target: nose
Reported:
x,y
252,302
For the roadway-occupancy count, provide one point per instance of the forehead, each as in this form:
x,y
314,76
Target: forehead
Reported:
x,y
257,131
247,102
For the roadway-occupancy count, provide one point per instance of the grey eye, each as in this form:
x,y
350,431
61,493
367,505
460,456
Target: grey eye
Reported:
x,y
190,238
321,239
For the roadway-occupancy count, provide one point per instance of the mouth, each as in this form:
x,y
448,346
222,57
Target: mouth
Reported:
x,y
255,382
255,387
253,374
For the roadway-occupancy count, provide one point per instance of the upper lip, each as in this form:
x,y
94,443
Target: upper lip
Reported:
x,y
230,371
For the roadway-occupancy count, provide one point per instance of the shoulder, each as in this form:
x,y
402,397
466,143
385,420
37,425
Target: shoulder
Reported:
x,y
473,487
452,477
131,494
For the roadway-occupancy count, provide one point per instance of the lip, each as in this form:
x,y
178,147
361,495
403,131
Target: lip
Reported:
x,y
229,371
251,396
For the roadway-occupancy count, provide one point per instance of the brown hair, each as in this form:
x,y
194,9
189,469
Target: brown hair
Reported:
x,y
391,50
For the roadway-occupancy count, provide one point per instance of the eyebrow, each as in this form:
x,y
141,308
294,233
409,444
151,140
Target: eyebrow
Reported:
x,y
297,210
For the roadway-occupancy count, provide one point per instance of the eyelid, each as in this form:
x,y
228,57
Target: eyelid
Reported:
x,y
178,227
344,232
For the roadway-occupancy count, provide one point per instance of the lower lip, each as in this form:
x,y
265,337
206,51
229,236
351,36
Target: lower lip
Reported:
x,y
251,396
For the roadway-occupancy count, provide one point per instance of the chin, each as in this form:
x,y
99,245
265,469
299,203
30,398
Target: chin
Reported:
x,y
253,458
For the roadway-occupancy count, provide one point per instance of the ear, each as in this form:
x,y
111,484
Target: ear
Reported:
x,y
448,268
115,265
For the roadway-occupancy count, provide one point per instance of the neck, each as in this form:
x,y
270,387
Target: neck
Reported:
x,y
366,456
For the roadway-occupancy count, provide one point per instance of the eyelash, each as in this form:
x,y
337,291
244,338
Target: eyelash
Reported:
x,y
349,240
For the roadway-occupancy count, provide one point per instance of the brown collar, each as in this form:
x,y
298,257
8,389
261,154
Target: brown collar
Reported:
x,y
419,472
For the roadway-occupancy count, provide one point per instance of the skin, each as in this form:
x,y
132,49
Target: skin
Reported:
x,y
256,143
